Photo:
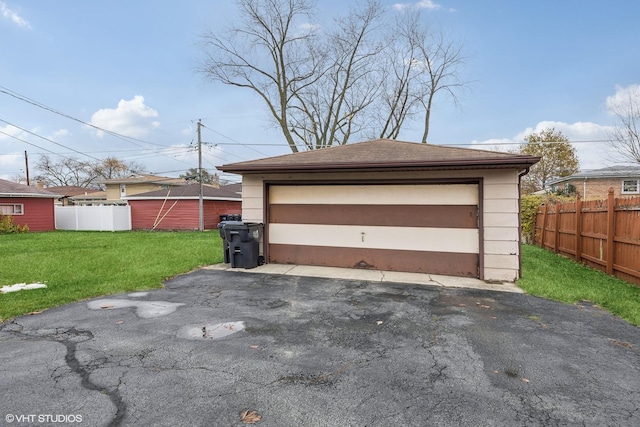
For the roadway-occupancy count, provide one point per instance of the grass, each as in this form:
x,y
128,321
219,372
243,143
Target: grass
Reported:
x,y
551,276
81,265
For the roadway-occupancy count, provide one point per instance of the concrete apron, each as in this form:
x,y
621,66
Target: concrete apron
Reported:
x,y
374,276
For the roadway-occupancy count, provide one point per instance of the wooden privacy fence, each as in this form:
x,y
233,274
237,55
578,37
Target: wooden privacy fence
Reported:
x,y
603,234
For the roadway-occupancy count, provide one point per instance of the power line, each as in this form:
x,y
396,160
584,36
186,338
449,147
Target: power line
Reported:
x,y
33,102
49,140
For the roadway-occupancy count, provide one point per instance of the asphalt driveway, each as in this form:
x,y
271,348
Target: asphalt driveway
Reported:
x,y
303,351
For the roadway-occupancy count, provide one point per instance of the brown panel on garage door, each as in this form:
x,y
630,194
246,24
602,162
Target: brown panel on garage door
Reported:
x,y
449,216
444,263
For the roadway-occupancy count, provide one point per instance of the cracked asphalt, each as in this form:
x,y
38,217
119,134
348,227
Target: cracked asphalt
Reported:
x,y
304,351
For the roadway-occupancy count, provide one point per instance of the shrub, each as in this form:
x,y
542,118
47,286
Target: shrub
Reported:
x,y
529,205
8,226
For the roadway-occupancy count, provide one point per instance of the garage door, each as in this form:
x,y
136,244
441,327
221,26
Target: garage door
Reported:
x,y
425,228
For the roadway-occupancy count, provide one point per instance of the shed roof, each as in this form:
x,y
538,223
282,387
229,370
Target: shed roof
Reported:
x,y
187,192
14,189
384,154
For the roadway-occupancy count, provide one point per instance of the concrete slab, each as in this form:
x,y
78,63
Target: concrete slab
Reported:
x,y
374,276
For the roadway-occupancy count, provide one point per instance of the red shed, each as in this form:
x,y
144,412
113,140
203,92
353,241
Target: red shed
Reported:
x,y
28,205
177,208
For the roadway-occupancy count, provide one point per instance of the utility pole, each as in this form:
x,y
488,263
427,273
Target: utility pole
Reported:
x,y
26,165
200,198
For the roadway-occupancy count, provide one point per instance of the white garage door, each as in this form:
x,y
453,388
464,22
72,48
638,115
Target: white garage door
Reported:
x,y
426,228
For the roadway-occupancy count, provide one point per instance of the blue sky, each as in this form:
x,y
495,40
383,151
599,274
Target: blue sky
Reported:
x,y
130,67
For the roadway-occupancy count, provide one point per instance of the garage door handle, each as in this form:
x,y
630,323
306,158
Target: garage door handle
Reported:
x,y
362,236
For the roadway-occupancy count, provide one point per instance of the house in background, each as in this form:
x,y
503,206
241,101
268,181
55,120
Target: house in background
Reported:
x,y
118,189
595,183
71,193
28,206
389,205
178,207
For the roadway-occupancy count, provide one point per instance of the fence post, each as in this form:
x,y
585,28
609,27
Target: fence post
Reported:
x,y
556,237
578,229
610,230
544,225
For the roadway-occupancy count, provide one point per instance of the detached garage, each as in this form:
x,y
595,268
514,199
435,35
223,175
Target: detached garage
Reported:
x,y
390,205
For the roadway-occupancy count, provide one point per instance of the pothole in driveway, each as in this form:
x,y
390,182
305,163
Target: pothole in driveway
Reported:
x,y
210,331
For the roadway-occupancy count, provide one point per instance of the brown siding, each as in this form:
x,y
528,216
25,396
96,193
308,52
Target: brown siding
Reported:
x,y
38,213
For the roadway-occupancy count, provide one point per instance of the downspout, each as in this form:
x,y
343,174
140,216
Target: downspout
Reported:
x,y
520,175
584,189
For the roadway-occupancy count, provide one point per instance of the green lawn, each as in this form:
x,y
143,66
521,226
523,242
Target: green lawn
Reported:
x,y
551,276
80,265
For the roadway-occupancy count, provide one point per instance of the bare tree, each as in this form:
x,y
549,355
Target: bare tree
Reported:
x,y
73,172
66,171
323,86
625,137
266,54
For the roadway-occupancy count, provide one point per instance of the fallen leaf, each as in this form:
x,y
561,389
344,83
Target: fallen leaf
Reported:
x,y
35,312
525,380
119,322
379,322
484,306
107,306
250,417
253,346
621,343
496,372
462,305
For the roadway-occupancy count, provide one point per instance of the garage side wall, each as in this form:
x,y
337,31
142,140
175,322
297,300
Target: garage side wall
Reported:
x,y
500,204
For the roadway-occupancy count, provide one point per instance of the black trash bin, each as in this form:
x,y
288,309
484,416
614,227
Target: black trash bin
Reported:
x,y
225,242
244,243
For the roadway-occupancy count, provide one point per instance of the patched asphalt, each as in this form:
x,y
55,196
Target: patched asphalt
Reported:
x,y
303,351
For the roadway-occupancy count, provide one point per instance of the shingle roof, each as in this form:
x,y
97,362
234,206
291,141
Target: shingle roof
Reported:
x,y
155,179
609,172
14,189
70,190
384,154
190,191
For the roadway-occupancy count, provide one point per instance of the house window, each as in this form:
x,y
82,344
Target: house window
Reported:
x,y
631,186
17,209
123,190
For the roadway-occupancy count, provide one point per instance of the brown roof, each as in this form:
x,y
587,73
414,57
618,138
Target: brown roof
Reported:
x,y
14,189
70,190
153,179
190,191
384,154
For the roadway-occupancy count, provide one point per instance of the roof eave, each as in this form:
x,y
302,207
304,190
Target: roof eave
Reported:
x,y
31,195
509,163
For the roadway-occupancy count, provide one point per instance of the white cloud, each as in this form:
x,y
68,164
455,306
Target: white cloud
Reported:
x,y
589,140
624,98
9,131
131,118
60,133
13,16
422,4
308,27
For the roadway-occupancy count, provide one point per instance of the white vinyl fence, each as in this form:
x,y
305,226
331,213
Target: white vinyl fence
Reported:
x,y
93,218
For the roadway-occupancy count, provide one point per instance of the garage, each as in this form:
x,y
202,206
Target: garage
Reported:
x,y
391,206
422,228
